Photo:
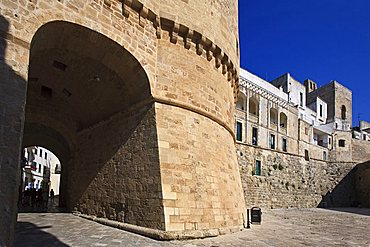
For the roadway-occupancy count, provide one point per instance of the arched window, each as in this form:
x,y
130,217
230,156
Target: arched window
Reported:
x,y
273,117
283,120
343,112
241,102
253,106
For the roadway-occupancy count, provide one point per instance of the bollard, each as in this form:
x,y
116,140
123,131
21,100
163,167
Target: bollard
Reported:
x,y
248,223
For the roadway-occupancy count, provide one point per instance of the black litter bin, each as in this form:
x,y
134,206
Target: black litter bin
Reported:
x,y
256,215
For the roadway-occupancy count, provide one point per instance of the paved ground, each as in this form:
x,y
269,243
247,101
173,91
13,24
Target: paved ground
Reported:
x,y
282,227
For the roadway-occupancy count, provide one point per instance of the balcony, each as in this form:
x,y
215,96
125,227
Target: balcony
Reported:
x,y
283,130
253,118
273,126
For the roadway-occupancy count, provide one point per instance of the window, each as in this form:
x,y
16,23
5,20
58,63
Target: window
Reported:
x,y
364,137
320,110
253,106
343,112
301,99
272,141
273,117
306,155
342,143
324,155
46,155
283,120
329,141
58,169
284,145
40,152
39,168
240,102
258,168
34,166
239,129
254,136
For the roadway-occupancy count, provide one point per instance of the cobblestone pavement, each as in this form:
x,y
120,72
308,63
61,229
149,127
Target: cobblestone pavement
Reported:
x,y
281,227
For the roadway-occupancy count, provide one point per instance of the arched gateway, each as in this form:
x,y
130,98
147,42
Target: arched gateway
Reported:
x,y
138,106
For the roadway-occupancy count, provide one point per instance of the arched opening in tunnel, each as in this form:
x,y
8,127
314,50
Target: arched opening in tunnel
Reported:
x,y
89,102
40,180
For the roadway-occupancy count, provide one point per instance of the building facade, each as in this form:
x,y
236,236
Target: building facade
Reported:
x,y
294,141
41,169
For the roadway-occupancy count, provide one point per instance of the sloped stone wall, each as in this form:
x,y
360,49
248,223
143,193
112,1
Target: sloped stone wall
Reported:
x,y
287,180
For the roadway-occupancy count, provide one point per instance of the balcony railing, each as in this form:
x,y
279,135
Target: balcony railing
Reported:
x,y
253,118
273,126
283,130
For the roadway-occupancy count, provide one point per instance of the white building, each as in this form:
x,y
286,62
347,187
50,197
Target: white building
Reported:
x,y
41,169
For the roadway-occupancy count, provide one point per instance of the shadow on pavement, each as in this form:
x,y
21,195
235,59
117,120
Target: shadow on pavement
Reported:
x,y
28,234
361,211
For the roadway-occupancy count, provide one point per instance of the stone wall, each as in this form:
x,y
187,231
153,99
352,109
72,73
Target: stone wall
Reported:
x,y
201,186
360,150
362,182
217,20
286,180
115,173
188,64
12,98
343,97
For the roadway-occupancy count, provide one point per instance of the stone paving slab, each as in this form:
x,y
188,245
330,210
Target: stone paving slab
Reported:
x,y
280,227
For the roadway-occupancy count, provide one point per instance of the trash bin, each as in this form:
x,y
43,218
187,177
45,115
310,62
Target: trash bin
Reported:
x,y
256,215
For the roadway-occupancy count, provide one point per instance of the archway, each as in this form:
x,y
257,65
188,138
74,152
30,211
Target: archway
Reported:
x,y
89,101
40,179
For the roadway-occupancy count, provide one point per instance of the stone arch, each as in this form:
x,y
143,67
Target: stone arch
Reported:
x,y
89,101
120,30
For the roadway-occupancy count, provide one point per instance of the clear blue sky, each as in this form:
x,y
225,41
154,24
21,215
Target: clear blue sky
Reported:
x,y
322,40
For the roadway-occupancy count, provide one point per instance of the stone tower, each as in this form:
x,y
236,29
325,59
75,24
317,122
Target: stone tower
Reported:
x,y
136,98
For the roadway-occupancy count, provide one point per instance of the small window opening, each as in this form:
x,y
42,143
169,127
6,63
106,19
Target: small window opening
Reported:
x,y
254,136
342,143
306,155
46,92
258,168
239,129
272,141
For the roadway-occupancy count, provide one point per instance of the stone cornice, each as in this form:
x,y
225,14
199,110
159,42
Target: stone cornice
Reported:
x,y
245,83
202,44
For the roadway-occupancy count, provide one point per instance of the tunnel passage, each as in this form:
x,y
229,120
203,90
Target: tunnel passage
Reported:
x,y
89,102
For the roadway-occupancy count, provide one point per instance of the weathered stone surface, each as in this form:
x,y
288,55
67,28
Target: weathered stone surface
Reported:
x,y
362,184
137,91
288,180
